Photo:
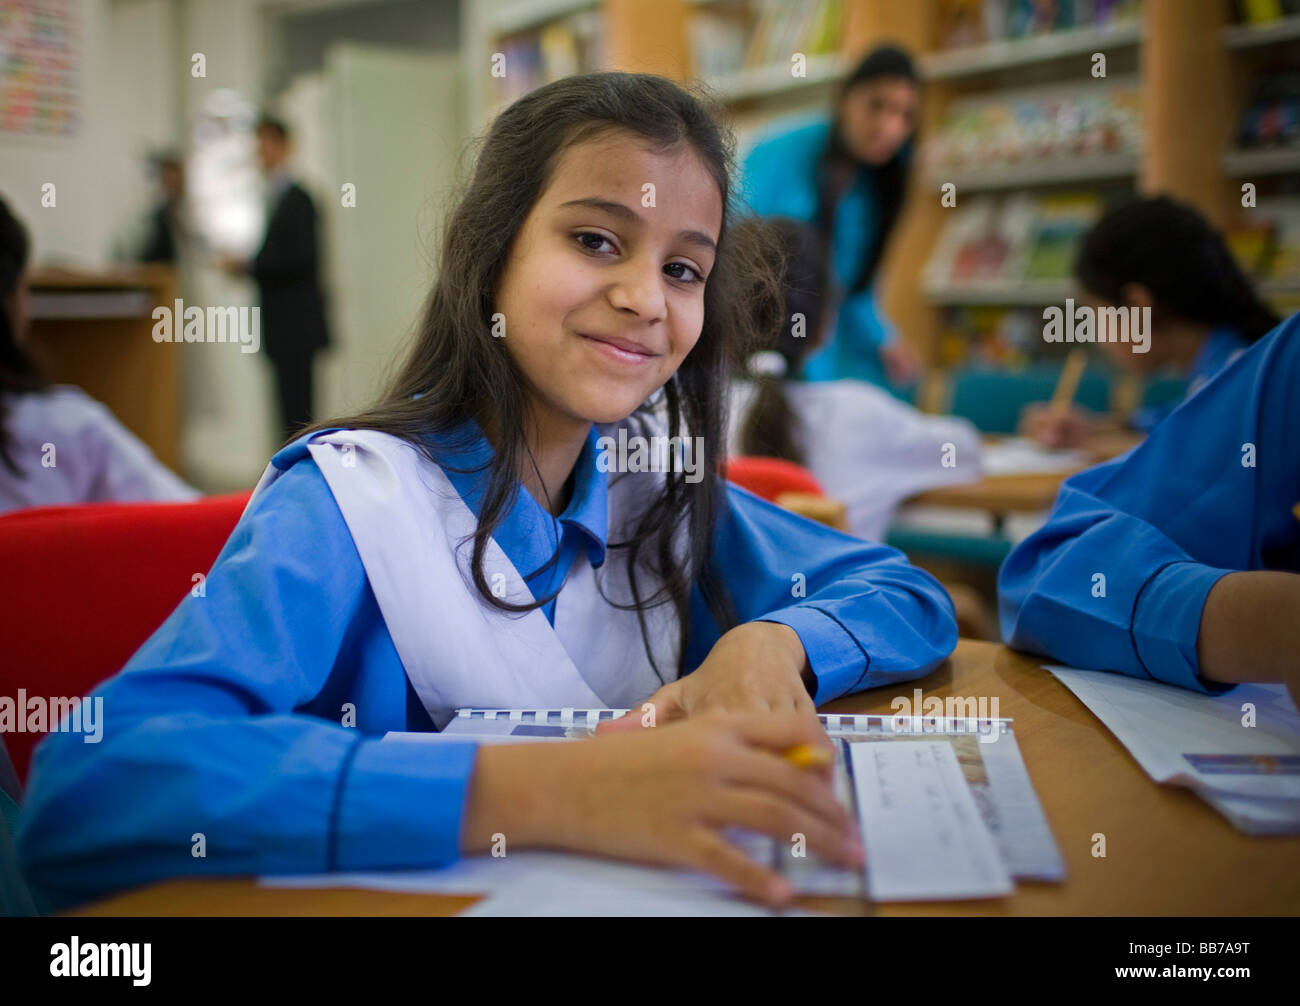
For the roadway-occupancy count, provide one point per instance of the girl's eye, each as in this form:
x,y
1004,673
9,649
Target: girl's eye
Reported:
x,y
588,236
682,265
592,242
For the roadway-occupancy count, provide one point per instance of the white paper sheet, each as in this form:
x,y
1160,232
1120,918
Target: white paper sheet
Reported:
x,y
1021,456
550,883
1251,774
999,783
924,836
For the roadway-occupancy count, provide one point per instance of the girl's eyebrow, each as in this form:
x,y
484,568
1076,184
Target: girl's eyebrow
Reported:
x,y
631,216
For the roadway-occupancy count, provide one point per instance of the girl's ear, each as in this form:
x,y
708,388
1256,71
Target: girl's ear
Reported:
x,y
1137,295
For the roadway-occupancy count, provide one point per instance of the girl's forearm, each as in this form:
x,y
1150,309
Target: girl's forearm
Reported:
x,y
1250,627
509,796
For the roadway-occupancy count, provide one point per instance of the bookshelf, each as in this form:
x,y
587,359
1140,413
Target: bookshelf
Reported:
x,y
1189,63
1251,36
1262,50
994,57
1175,52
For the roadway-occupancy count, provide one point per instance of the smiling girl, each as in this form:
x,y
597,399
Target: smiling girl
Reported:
x,y
459,545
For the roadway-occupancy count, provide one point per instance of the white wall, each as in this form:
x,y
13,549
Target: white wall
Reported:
x,y
91,170
139,95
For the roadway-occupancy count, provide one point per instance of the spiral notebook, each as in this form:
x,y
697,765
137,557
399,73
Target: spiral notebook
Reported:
x,y
983,750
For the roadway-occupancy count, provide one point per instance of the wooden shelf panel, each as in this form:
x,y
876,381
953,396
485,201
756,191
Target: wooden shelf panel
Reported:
x,y
766,81
1249,36
1031,293
529,14
1039,174
1009,54
1262,162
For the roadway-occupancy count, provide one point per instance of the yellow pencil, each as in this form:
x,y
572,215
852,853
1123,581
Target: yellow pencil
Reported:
x,y
1069,382
808,756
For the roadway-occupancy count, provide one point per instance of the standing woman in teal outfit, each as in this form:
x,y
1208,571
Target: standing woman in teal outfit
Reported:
x,y
848,176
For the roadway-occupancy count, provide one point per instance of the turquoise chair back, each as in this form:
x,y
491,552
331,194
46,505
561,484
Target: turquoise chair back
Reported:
x,y
993,399
1164,391
15,898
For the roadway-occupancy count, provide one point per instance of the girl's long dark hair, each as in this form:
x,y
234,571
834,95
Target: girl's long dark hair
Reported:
x,y
457,370
1172,250
836,168
771,428
18,374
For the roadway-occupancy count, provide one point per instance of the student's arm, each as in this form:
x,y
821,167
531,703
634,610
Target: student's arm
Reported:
x,y
207,763
1120,575
288,255
870,335
853,614
126,470
772,182
868,329
1250,629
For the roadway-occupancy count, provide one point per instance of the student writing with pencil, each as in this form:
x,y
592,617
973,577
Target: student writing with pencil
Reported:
x,y
1163,255
1179,561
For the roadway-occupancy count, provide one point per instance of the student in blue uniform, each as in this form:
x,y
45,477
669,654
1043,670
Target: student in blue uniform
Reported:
x,y
847,175
57,444
489,534
1178,561
1164,255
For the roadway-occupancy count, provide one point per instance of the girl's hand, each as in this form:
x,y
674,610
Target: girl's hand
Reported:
x,y
902,363
1042,423
1249,630
666,796
755,667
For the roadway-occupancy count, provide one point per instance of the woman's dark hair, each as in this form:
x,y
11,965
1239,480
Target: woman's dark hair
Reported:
x,y
835,169
17,372
771,428
457,370
1172,250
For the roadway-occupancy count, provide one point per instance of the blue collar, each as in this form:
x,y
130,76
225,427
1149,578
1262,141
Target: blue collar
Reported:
x,y
1220,346
528,534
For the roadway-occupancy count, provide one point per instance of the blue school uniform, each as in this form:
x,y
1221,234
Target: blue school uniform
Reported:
x,y
226,723
1219,349
1210,491
779,178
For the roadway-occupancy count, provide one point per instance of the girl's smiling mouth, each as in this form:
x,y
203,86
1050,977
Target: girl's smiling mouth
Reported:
x,y
622,350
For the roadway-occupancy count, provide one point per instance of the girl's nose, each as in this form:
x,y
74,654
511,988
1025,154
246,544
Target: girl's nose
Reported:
x,y
639,289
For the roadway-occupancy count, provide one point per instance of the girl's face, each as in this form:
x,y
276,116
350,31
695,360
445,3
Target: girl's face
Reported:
x,y
1134,295
603,291
878,117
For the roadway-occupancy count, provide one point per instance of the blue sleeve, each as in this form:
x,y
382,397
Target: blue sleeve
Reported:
x,y
866,329
779,174
865,615
1118,576
205,738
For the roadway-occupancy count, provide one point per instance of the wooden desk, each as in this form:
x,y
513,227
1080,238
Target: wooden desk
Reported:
x,y
1007,494
1168,853
999,494
110,353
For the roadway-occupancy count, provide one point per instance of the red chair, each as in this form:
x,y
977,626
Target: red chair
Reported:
x,y
790,486
771,477
85,586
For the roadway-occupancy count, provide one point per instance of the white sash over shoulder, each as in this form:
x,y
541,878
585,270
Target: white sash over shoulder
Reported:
x,y
413,533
